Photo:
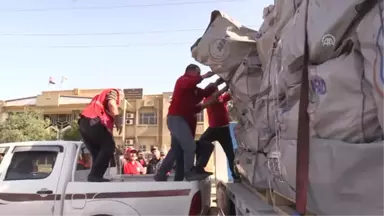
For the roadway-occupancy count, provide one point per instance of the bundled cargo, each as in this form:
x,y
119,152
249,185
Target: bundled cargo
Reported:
x,y
346,101
224,45
246,80
370,36
344,179
329,23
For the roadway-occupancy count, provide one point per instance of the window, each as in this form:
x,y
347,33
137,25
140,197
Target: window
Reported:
x,y
200,116
143,148
29,165
148,118
84,161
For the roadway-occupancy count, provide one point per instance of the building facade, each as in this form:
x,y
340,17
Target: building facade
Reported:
x,y
145,115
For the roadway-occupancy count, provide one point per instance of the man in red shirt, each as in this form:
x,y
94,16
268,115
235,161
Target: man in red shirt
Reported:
x,y
95,125
218,130
181,121
132,166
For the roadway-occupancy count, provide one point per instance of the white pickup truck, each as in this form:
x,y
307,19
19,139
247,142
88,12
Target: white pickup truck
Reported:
x,y
41,178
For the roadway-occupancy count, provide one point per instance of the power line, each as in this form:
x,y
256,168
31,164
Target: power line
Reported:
x,y
100,33
102,46
122,6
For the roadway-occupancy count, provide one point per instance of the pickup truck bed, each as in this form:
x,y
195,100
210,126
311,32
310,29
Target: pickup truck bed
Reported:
x,y
41,178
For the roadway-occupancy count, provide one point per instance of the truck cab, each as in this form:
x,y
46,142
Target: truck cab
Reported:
x,y
42,178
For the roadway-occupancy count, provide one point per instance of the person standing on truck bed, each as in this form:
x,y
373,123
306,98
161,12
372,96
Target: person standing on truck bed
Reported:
x,y
181,121
96,125
218,130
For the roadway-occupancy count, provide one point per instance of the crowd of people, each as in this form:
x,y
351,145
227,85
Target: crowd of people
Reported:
x,y
187,157
134,162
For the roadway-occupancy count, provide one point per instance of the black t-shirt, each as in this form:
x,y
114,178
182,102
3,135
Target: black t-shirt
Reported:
x,y
151,168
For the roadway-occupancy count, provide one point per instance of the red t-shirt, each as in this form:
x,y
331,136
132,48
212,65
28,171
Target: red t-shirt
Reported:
x,y
133,168
186,95
218,113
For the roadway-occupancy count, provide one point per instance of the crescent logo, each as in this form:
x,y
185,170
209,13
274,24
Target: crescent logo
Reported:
x,y
219,50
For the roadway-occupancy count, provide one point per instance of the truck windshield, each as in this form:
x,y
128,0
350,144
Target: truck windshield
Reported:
x,y
27,165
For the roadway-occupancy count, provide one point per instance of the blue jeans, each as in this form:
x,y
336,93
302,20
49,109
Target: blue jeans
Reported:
x,y
182,150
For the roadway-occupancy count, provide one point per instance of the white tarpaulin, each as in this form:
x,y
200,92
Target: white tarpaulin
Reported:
x,y
328,21
258,128
283,12
224,45
268,17
252,166
370,34
343,105
344,179
245,82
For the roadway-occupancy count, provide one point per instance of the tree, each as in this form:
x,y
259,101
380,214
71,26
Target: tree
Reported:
x,y
72,133
25,126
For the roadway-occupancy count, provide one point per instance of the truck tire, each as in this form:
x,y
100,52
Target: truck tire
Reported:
x,y
224,203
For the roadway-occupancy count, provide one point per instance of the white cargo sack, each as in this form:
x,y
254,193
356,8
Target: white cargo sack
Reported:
x,y
344,179
251,166
245,82
256,131
283,12
268,17
328,21
370,34
343,105
224,44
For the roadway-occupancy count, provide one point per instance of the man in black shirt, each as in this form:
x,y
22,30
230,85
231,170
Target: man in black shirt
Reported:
x,y
152,164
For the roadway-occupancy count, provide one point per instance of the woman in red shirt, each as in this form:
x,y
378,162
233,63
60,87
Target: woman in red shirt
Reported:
x,y
132,166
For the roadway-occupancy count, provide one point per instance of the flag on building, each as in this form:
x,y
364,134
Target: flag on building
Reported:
x,y
51,82
63,79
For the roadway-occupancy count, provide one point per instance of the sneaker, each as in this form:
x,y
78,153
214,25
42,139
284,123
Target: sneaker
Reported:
x,y
97,179
194,176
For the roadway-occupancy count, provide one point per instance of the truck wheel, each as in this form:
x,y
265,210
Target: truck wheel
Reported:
x,y
223,201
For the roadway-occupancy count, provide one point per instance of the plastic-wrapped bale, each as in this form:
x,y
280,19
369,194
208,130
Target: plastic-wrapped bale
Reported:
x,y
269,86
224,45
283,12
370,34
268,17
262,127
286,79
251,165
342,102
344,178
288,117
328,23
275,18
245,82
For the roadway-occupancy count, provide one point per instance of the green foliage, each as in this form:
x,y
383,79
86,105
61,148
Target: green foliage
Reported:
x,y
25,126
73,133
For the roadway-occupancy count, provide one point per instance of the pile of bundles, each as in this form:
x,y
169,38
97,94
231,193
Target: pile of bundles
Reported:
x,y
346,78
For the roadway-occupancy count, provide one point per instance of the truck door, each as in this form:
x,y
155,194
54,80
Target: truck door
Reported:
x,y
29,183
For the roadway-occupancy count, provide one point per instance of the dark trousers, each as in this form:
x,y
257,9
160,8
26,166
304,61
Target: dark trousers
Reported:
x,y
100,143
203,151
223,136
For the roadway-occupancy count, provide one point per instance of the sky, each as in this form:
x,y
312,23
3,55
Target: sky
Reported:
x,y
105,43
